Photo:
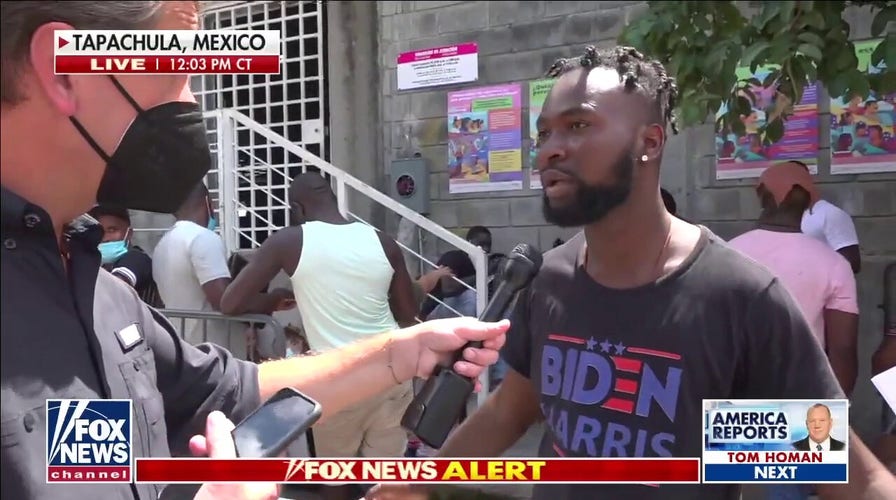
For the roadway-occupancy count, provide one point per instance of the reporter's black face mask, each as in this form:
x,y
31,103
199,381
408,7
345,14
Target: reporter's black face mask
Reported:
x,y
163,155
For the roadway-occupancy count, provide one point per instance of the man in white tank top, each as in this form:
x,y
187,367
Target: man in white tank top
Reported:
x,y
350,282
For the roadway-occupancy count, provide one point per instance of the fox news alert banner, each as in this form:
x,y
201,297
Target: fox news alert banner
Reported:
x,y
763,442
89,441
105,52
415,470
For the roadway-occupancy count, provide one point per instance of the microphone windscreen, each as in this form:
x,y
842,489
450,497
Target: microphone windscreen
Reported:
x,y
531,253
521,266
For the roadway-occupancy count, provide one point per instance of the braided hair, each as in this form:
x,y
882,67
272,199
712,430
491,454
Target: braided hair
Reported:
x,y
636,72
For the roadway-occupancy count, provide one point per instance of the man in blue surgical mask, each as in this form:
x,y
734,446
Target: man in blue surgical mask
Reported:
x,y
125,261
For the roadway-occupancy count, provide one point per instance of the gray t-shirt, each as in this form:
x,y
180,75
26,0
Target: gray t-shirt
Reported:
x,y
622,373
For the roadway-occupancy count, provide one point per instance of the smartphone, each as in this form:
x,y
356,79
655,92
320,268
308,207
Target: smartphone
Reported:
x,y
271,428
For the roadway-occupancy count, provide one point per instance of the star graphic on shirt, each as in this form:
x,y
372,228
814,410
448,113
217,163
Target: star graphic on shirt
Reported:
x,y
620,348
605,346
590,343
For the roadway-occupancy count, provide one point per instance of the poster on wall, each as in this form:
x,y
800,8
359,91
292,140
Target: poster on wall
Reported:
x,y
746,156
485,139
438,66
863,139
538,91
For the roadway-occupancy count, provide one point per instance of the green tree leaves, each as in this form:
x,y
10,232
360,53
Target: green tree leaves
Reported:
x,y
703,43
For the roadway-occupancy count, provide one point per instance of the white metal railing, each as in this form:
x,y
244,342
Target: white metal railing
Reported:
x,y
238,164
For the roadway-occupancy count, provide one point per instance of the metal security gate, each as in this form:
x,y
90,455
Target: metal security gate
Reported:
x,y
291,104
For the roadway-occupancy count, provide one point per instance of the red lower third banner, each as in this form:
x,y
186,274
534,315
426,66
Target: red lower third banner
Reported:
x,y
166,64
565,470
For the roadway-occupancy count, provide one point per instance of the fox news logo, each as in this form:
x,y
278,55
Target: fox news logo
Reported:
x,y
88,441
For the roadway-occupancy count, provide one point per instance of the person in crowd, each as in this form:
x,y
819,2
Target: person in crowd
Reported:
x,y
637,288
124,260
262,341
884,359
350,282
885,447
830,224
820,280
191,269
70,142
482,238
457,299
296,342
428,283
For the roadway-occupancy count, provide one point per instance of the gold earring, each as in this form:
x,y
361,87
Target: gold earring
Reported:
x,y
643,158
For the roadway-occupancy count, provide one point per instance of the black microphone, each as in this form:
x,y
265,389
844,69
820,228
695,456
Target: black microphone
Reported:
x,y
437,407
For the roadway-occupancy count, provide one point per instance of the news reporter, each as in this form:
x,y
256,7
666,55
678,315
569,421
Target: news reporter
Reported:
x,y
71,330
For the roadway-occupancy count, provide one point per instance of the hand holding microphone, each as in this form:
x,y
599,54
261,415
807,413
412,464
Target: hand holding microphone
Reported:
x,y
437,407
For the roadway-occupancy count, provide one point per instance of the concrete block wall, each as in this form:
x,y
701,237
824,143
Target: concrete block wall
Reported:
x,y
517,42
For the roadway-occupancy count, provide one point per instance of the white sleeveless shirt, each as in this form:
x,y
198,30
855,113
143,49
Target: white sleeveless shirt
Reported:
x,y
341,284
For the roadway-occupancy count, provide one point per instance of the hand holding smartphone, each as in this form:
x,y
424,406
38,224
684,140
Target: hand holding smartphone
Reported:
x,y
271,428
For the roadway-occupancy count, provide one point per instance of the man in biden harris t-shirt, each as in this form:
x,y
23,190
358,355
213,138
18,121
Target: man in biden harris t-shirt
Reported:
x,y
634,321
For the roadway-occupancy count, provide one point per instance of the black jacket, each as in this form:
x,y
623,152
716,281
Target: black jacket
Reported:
x,y
135,267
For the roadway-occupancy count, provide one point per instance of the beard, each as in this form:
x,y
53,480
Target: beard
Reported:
x,y
590,203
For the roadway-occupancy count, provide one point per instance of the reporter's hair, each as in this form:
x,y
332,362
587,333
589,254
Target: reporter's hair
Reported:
x,y
19,21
